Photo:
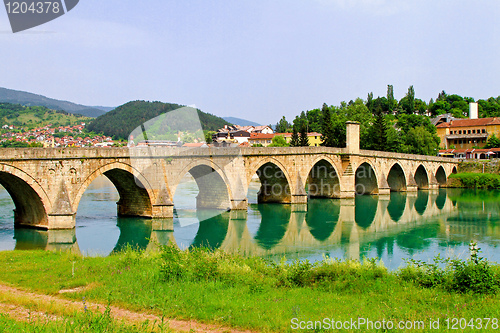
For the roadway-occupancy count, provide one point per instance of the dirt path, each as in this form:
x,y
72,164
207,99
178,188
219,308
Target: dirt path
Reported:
x,y
20,312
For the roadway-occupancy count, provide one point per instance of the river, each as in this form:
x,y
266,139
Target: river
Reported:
x,y
405,225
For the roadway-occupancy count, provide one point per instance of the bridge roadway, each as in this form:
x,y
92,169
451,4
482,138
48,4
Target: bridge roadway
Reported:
x,y
46,185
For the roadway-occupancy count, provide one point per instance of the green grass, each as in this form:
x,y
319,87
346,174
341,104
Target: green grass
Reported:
x,y
476,180
86,322
250,292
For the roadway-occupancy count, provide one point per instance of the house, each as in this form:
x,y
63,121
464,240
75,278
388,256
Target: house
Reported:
x,y
263,129
261,139
479,154
468,133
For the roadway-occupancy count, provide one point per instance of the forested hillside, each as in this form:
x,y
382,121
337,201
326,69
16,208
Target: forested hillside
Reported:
x,y
36,116
29,99
120,122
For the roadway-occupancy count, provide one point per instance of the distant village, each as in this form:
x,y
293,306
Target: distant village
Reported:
x,y
255,136
48,136
236,136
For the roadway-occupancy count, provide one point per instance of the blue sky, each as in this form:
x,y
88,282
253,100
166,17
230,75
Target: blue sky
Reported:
x,y
256,59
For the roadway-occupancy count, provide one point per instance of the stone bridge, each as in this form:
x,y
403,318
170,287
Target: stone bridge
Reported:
x,y
46,185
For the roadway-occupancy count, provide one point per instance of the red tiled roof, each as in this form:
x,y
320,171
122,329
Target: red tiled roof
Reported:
x,y
193,144
257,136
470,122
469,150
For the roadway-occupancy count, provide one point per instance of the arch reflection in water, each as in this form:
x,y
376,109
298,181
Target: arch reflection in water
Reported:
x,y
211,231
366,209
322,217
134,233
421,202
51,240
273,224
441,199
397,205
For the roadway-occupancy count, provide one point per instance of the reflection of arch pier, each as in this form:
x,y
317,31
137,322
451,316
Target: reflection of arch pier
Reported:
x,y
46,185
332,223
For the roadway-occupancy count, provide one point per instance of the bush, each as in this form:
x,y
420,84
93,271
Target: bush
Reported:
x,y
478,180
474,275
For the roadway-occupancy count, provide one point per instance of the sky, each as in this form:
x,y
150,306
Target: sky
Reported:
x,y
257,60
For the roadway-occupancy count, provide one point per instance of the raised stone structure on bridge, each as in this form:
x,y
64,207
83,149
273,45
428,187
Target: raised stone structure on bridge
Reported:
x,y
46,185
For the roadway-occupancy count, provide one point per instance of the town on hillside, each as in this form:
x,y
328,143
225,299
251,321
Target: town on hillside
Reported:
x,y
54,137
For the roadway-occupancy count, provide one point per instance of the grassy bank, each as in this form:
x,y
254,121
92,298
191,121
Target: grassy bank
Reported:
x,y
474,180
254,294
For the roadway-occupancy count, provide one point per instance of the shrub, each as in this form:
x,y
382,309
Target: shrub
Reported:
x,y
478,180
473,275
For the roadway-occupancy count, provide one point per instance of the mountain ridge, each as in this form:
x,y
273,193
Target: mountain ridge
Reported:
x,y
31,99
240,121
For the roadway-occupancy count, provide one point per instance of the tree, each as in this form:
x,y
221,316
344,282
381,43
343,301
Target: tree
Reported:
x,y
378,131
303,139
420,141
493,142
369,102
282,126
327,128
279,141
294,141
390,97
411,100
208,136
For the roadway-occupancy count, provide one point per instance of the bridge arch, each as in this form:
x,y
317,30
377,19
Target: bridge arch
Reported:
x,y
323,179
213,185
441,175
366,180
422,177
396,178
135,191
31,201
276,185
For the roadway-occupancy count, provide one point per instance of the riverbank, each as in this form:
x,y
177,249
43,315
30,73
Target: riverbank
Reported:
x,y
474,180
484,174
480,166
248,293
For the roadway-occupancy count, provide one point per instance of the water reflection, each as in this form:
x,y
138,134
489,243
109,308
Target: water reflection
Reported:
x,y
421,202
322,217
413,224
51,240
366,209
273,226
397,205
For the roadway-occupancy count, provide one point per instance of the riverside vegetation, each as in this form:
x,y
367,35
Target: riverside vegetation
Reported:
x,y
476,175
211,286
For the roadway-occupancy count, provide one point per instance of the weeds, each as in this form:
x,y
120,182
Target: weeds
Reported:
x,y
474,275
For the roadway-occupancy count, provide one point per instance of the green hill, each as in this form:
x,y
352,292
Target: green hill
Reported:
x,y
36,116
29,99
120,122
